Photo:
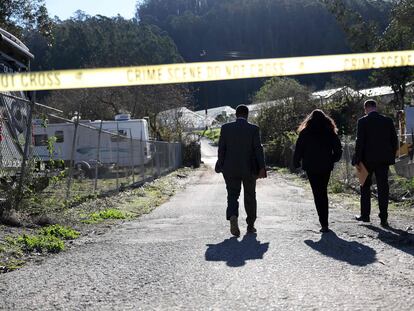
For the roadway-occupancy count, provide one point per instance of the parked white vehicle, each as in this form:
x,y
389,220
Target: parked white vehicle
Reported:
x,y
124,142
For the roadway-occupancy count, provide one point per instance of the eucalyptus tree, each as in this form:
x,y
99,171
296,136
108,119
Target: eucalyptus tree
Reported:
x,y
364,36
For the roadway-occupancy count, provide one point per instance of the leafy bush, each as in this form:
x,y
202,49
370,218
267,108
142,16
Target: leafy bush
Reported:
x,y
345,109
191,151
111,213
41,243
287,104
61,232
336,186
213,135
279,151
48,239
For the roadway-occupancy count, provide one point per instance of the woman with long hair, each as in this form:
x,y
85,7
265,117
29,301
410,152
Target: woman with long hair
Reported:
x,y
317,149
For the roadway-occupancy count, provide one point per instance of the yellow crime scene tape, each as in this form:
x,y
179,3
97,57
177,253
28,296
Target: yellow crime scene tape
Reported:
x,y
201,71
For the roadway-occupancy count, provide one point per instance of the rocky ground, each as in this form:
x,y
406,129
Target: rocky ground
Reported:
x,y
182,257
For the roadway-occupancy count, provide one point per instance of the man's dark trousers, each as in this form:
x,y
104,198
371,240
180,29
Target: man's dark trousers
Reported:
x,y
319,184
233,185
381,175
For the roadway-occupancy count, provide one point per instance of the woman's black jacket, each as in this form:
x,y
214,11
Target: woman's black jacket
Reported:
x,y
317,149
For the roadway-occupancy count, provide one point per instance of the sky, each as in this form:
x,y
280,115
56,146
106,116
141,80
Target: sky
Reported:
x,y
66,8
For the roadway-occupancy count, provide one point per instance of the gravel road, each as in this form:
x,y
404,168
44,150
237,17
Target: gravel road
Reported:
x,y
181,257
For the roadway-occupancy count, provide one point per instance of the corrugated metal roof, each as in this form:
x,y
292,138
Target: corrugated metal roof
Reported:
x,y
377,91
258,106
381,90
325,94
214,112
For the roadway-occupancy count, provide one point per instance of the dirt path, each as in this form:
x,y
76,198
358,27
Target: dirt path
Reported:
x,y
182,257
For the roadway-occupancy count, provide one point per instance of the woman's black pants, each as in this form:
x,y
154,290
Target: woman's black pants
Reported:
x,y
319,183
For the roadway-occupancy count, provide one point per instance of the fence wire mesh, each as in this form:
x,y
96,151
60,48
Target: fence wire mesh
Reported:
x,y
99,161
15,142
75,159
14,131
344,173
401,174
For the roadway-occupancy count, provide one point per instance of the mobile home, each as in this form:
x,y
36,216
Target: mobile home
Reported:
x,y
124,142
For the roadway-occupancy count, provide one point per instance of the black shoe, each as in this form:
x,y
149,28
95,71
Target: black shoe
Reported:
x,y
251,229
234,226
363,219
385,224
324,229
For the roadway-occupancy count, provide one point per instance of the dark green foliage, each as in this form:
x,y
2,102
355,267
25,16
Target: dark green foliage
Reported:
x,y
292,104
209,30
192,154
279,120
345,110
99,41
399,35
103,42
86,42
17,16
363,36
279,151
41,243
59,231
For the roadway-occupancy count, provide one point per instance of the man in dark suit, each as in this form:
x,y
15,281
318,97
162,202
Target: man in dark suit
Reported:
x,y
376,146
241,160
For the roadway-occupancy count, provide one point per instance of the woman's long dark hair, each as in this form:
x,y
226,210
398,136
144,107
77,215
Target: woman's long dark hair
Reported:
x,y
317,119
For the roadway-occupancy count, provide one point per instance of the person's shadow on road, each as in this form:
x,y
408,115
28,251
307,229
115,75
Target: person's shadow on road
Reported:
x,y
400,239
352,252
234,252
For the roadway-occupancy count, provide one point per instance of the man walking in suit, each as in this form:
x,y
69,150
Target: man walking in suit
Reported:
x,y
376,146
241,160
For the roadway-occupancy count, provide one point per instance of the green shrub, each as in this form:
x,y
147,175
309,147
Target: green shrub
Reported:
x,y
279,151
213,135
59,231
336,186
41,243
192,154
111,213
10,265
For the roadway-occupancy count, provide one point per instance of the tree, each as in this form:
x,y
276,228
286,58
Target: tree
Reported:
x,y
17,16
139,101
99,41
211,30
288,103
399,35
363,37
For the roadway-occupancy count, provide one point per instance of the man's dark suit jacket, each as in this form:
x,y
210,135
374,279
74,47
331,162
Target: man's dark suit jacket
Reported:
x,y
240,152
377,141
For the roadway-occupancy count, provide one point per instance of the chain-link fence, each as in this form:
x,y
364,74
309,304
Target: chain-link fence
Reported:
x,y
99,157
344,173
70,160
400,175
15,143
15,112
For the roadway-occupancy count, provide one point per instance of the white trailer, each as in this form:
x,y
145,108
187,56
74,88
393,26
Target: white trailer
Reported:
x,y
124,142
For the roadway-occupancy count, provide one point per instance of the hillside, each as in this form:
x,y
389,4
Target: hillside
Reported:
x,y
208,30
